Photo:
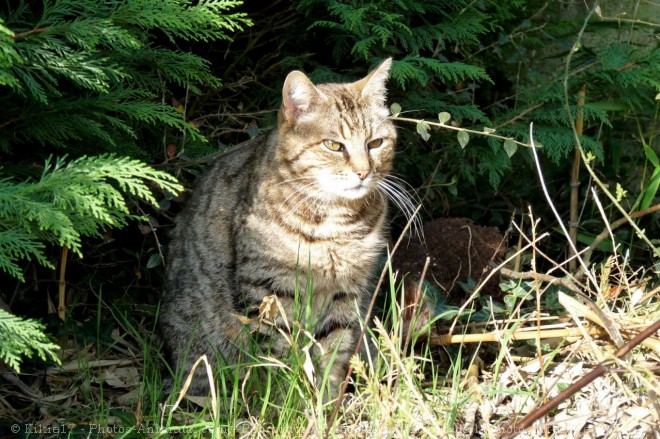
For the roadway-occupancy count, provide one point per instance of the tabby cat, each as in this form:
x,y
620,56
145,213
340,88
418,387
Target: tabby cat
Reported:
x,y
309,199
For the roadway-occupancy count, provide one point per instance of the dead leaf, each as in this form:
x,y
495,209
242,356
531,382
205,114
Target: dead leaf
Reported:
x,y
170,150
268,308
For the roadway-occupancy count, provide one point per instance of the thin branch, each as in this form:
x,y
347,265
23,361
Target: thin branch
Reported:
x,y
502,336
519,116
575,179
20,35
624,20
552,280
451,127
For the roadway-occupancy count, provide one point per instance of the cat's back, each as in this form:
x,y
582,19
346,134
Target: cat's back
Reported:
x,y
225,184
201,245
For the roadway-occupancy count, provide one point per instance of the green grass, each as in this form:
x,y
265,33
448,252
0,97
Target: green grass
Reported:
x,y
408,388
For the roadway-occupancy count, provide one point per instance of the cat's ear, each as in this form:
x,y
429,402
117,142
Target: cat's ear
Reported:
x,y
373,85
299,96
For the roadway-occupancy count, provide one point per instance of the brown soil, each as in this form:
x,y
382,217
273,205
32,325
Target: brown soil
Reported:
x,y
459,250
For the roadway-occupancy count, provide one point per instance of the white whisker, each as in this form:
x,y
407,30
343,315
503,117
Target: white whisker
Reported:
x,y
393,189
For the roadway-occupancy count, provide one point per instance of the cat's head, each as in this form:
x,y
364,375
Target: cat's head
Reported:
x,y
337,138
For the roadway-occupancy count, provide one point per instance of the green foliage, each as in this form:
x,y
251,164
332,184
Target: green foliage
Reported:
x,y
91,77
83,73
70,201
77,75
368,31
23,338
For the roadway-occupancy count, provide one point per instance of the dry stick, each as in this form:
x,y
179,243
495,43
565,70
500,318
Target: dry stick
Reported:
x,y
502,336
597,371
61,306
552,280
556,265
575,179
506,321
340,398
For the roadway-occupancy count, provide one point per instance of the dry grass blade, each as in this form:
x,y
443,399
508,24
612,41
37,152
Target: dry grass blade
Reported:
x,y
186,386
584,311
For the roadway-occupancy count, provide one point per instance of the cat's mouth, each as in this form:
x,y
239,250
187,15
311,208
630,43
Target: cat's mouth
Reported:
x,y
354,192
346,187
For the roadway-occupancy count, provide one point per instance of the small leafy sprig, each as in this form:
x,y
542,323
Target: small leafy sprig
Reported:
x,y
510,144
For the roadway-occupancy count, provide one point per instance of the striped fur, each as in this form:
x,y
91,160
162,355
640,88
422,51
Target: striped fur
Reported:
x,y
265,215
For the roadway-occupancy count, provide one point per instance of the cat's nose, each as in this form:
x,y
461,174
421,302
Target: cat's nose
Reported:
x,y
362,174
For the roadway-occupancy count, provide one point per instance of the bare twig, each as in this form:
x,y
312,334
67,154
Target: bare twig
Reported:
x,y
575,179
28,33
61,292
552,280
501,336
625,20
519,116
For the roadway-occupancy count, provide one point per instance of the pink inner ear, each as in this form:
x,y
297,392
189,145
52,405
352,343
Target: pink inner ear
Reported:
x,y
293,108
298,96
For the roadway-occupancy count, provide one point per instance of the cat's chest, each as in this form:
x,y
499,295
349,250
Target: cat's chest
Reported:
x,y
337,257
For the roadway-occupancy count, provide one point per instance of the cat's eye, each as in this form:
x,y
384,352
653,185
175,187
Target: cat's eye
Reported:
x,y
333,146
374,143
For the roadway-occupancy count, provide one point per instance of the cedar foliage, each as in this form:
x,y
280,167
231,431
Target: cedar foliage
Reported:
x,y
81,77
84,73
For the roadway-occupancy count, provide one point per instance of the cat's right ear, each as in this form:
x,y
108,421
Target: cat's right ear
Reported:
x,y
298,96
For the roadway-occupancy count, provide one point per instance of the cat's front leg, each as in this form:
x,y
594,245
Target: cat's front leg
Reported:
x,y
337,335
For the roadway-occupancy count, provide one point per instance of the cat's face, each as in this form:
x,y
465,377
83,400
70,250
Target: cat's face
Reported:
x,y
337,138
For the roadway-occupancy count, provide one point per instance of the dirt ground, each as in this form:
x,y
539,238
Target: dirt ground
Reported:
x,y
459,250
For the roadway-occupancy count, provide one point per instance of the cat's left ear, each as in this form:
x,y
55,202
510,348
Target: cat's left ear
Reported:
x,y
373,85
